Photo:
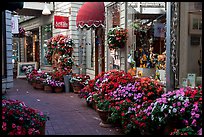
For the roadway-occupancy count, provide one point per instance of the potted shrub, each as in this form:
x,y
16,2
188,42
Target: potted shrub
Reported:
x,y
19,119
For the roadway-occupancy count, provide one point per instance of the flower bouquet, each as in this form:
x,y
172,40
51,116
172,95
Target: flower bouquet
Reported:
x,y
117,37
18,119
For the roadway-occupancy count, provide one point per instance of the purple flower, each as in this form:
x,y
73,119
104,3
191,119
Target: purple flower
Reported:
x,y
178,103
186,104
182,110
192,113
185,122
194,122
197,115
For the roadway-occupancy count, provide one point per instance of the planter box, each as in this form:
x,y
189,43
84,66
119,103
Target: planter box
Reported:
x,y
145,72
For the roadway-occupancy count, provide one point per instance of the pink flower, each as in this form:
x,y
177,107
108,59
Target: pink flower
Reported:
x,y
178,103
13,125
19,128
194,122
182,110
197,115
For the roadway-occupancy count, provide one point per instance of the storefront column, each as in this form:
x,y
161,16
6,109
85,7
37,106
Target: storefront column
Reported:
x,y
169,72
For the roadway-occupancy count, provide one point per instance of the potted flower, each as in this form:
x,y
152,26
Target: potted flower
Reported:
x,y
19,119
47,83
57,85
178,109
78,81
117,37
103,109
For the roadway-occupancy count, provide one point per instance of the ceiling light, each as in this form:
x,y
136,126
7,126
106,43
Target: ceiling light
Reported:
x,y
46,11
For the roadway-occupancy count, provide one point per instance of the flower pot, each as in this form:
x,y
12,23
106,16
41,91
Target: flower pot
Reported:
x,y
94,103
42,130
39,86
104,118
77,87
33,84
58,89
48,88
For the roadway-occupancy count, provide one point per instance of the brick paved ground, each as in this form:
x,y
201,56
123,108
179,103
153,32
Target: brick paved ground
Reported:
x,y
69,114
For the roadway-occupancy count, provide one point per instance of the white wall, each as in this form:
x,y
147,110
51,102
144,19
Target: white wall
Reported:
x,y
189,55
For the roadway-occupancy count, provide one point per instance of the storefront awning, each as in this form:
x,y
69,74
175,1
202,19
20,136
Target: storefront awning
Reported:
x,y
91,14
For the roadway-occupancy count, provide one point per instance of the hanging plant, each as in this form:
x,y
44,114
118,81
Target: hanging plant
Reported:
x,y
60,51
117,37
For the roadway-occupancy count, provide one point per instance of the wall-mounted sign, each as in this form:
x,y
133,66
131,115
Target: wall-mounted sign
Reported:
x,y
152,4
14,24
61,22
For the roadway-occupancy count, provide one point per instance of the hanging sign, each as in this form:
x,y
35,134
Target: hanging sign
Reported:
x,y
61,22
14,24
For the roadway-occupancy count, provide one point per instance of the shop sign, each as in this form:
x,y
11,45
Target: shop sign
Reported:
x,y
14,24
153,4
61,22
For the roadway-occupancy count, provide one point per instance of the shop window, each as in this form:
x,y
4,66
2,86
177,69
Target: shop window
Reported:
x,y
146,39
46,33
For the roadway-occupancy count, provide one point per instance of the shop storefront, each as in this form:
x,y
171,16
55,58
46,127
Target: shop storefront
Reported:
x,y
91,38
155,40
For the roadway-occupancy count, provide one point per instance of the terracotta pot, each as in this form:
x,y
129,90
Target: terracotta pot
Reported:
x,y
104,118
77,87
48,88
39,86
104,115
33,84
58,89
42,130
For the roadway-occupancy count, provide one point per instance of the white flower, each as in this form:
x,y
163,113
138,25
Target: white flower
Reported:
x,y
160,119
174,110
152,117
181,98
174,96
169,99
162,108
170,107
169,111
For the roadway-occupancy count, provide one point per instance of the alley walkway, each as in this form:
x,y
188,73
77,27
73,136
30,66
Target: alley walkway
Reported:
x,y
69,114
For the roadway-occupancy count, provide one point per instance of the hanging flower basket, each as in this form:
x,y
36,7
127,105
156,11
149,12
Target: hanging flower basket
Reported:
x,y
117,38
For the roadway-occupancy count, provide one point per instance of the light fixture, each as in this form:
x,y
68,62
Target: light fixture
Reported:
x,y
46,11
